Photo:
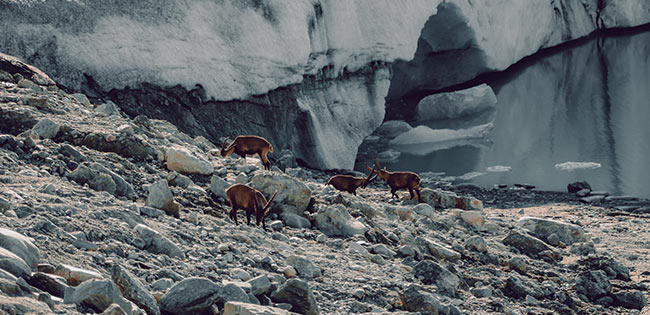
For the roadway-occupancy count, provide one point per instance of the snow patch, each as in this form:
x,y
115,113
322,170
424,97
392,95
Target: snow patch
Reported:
x,y
572,166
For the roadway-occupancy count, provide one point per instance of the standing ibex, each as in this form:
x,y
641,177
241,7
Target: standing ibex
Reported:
x,y
249,199
349,183
243,145
400,180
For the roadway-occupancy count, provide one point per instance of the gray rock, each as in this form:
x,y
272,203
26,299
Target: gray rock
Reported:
x,y
436,249
103,182
304,267
52,284
528,244
20,245
433,273
232,293
134,290
577,186
260,285
335,220
108,109
286,160
481,292
156,243
162,284
179,180
609,265
519,287
160,196
630,299
424,209
415,301
87,171
295,221
291,192
239,308
13,264
276,225
382,250
4,204
591,199
23,305
150,212
81,98
218,186
518,263
593,284
98,295
74,275
583,192
190,296
544,228
180,159
476,243
297,293
70,151
114,309
45,129
406,251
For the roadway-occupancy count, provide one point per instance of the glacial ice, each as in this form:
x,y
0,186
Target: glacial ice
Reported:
x,y
572,166
423,140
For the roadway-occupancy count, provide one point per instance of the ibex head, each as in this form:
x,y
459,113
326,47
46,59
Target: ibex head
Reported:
x,y
383,173
369,178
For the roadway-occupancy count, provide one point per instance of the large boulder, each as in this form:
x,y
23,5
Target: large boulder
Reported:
x,y
453,105
594,284
133,289
297,293
98,295
20,245
160,196
88,172
335,220
183,161
45,129
291,191
415,301
13,264
156,243
218,186
190,296
433,273
544,228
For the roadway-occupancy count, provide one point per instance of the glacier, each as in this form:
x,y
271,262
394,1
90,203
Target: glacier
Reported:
x,y
330,65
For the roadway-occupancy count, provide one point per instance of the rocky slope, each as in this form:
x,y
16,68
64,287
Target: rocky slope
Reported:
x,y
95,219
259,66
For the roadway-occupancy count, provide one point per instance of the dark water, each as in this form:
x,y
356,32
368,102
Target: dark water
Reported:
x,y
588,103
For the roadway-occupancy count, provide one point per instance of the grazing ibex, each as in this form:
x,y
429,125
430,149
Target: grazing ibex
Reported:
x,y
249,199
400,180
349,183
243,145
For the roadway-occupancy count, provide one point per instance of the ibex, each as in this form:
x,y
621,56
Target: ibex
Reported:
x,y
400,180
243,145
249,199
349,183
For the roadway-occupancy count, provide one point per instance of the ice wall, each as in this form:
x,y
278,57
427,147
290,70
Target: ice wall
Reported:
x,y
237,50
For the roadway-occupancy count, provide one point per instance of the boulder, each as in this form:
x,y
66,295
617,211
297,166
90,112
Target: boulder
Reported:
x,y
260,285
594,284
519,287
415,301
475,219
218,186
98,295
193,295
133,290
304,267
528,244
86,172
52,284
433,273
476,243
424,209
74,275
544,228
297,293
45,129
20,245
630,299
156,243
295,221
107,109
291,191
578,186
457,104
23,305
232,292
240,308
183,161
436,249
438,198
13,264
160,196
334,220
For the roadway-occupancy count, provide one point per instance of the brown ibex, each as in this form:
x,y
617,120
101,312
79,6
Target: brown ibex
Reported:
x,y
243,145
249,199
349,183
400,180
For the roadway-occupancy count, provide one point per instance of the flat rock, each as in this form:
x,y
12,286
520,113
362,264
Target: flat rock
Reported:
x,y
544,228
240,308
74,275
52,284
526,243
436,249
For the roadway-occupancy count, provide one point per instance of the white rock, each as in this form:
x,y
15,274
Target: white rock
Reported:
x,y
20,245
457,104
108,109
183,161
45,129
160,196
291,191
335,220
